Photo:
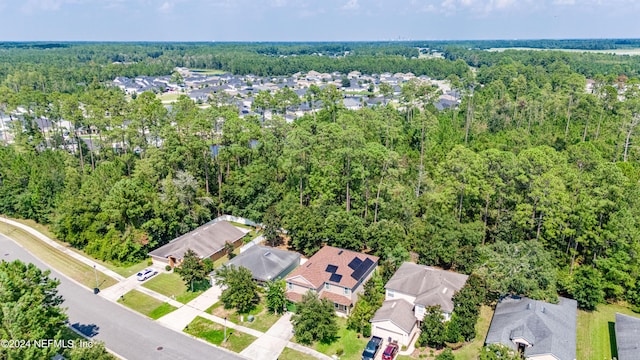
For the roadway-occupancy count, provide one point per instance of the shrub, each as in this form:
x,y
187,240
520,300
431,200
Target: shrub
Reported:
x,y
168,268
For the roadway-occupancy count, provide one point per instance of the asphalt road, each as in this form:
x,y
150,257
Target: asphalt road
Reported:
x,y
128,334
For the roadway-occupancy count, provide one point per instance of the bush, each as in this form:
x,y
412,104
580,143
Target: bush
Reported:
x,y
149,262
366,330
446,355
168,268
339,351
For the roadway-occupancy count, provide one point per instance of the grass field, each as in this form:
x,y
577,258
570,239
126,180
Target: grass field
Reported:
x,y
169,97
145,304
596,332
263,319
347,341
290,354
171,285
207,71
80,272
214,333
125,270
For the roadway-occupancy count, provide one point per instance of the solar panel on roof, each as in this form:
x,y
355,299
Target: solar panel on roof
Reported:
x,y
355,263
362,269
331,268
335,278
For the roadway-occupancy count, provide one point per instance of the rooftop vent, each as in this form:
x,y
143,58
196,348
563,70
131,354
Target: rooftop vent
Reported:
x,y
267,253
393,305
543,310
529,306
340,252
444,290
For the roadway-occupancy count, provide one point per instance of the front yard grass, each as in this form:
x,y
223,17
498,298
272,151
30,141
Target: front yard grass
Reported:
x,y
125,270
596,332
263,319
214,333
347,340
145,304
290,354
76,270
171,285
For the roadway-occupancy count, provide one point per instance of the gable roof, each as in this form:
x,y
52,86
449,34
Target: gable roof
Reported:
x,y
627,336
350,268
399,312
430,286
206,240
265,263
549,328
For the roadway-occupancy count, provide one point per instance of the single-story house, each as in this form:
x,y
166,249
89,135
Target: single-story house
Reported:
x,y
537,329
335,274
627,337
207,241
266,263
410,290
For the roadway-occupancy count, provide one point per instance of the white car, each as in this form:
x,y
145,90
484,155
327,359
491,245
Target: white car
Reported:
x,y
145,274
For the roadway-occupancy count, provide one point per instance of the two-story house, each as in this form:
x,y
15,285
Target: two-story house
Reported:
x,y
408,293
335,274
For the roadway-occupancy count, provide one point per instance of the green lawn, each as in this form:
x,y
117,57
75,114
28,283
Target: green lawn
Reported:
x,y
214,333
348,341
146,304
290,354
207,71
262,322
471,351
171,285
169,96
80,272
125,270
596,332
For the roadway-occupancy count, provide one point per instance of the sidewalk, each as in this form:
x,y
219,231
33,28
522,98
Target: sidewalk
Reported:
x,y
184,315
64,249
270,345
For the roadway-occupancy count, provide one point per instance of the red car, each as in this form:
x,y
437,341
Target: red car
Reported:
x,y
390,352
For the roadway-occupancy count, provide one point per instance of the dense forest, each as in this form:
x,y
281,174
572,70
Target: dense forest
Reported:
x,y
531,182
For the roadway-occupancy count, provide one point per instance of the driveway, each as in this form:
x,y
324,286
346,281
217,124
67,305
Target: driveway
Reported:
x,y
125,332
270,345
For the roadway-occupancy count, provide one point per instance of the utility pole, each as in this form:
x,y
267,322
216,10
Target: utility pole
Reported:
x,y
95,272
225,329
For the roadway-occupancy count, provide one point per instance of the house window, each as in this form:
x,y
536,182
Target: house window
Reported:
x,y
390,293
347,291
289,286
327,286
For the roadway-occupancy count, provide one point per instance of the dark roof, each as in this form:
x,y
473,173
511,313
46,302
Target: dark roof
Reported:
x,y
627,336
206,240
265,263
317,270
430,286
399,312
549,328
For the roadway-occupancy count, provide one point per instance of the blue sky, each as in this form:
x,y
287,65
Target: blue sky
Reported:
x,y
315,20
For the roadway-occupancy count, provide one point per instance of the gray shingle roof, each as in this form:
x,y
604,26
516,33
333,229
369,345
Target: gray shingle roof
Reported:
x,y
627,336
549,328
399,312
206,240
265,263
430,286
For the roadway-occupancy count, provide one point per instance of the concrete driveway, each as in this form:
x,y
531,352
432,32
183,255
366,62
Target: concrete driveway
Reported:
x,y
270,345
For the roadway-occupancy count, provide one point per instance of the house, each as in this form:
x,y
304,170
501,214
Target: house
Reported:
x,y
335,274
627,336
537,329
267,263
408,293
207,241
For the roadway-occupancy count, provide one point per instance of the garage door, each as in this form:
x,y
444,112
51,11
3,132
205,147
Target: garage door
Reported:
x,y
385,334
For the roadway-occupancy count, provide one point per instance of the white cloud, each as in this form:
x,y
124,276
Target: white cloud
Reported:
x,y
166,7
351,5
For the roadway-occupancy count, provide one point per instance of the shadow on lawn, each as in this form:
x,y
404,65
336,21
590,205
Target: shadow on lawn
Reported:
x,y
612,340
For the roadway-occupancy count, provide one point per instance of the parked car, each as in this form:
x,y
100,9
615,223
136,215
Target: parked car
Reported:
x,y
372,348
390,352
145,274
